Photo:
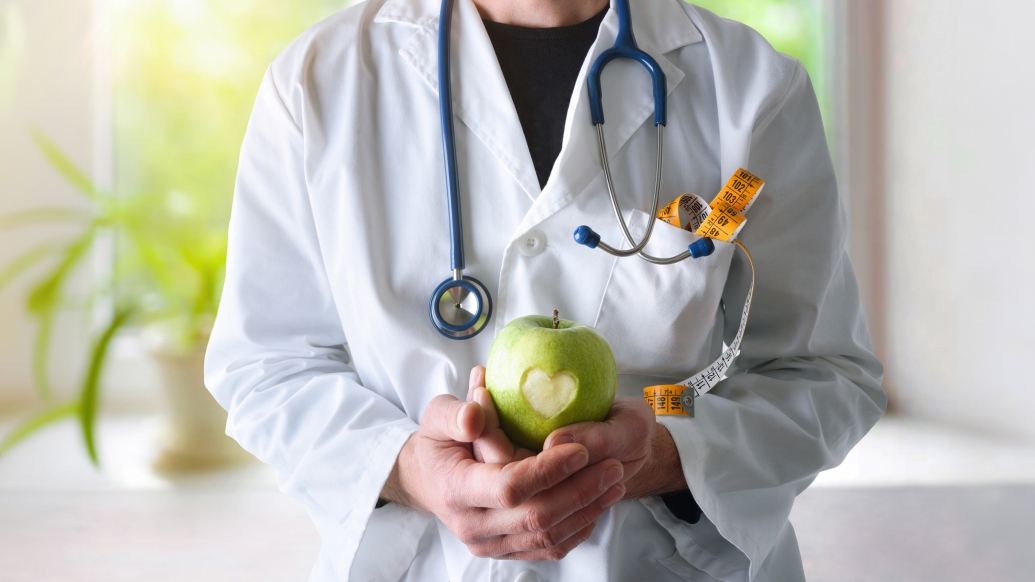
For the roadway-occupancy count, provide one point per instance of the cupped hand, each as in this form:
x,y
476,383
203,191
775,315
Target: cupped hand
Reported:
x,y
627,435
535,508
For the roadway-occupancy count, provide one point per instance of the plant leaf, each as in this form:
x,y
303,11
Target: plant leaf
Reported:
x,y
88,394
43,301
45,293
34,423
64,165
40,351
43,215
27,260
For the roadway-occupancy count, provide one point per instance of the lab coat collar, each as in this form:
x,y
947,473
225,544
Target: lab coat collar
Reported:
x,y
665,23
481,99
486,107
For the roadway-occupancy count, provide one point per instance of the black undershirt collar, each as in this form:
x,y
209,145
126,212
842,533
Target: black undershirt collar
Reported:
x,y
541,66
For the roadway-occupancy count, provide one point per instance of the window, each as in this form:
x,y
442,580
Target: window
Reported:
x,y
185,77
795,27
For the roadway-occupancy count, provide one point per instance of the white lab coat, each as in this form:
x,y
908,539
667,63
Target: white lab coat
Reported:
x,y
324,355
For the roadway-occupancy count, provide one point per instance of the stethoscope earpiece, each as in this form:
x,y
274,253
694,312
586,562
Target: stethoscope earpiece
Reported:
x,y
701,247
586,236
460,308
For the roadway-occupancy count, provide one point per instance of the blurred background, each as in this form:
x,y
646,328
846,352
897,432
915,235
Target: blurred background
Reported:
x,y
120,123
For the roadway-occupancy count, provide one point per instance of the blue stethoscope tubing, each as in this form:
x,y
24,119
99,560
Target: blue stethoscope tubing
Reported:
x,y
461,306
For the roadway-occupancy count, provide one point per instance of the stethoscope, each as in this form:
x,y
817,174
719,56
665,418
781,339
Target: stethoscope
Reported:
x,y
461,306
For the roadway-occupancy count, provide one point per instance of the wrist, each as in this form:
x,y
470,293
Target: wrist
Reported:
x,y
663,471
404,478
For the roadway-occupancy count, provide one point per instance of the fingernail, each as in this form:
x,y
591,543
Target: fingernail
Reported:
x,y
561,440
613,495
460,415
481,396
576,462
611,477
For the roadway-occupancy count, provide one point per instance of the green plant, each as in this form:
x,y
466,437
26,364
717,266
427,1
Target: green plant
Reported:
x,y
185,77
168,273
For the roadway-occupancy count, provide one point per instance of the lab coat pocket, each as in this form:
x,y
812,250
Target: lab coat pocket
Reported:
x,y
664,320
680,567
701,552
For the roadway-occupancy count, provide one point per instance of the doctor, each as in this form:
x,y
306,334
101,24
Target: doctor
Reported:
x,y
325,358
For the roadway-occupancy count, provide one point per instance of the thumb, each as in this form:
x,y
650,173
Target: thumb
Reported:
x,y
448,419
625,435
595,436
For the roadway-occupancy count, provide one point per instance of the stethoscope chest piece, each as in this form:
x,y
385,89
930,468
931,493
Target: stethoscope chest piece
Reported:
x,y
460,308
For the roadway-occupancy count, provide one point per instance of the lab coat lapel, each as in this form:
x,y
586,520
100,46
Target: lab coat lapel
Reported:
x,y
481,99
660,26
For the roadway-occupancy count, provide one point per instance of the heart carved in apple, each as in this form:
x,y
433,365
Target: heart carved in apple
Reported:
x,y
547,373
548,394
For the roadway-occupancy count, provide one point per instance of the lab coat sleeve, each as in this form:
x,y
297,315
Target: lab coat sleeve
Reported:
x,y
806,386
277,359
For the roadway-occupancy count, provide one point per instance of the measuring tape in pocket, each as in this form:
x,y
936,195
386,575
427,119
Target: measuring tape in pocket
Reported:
x,y
722,220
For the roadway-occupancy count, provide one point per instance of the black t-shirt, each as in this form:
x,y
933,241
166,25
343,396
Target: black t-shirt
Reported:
x,y
541,66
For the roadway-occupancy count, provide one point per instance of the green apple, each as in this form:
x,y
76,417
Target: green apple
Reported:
x,y
547,373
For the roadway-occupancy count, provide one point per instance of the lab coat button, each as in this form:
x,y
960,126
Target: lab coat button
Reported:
x,y
526,576
531,244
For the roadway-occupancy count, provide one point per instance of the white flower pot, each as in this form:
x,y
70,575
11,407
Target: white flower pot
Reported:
x,y
194,437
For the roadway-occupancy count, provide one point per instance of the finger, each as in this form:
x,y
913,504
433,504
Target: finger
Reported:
x,y
497,486
586,516
484,452
545,511
542,524
520,454
448,419
492,446
625,434
477,379
557,552
554,505
481,395
624,410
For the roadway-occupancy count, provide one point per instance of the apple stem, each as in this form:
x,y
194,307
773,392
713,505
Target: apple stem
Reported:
x,y
556,320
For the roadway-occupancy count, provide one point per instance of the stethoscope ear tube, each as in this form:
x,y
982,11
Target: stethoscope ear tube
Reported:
x,y
701,247
625,48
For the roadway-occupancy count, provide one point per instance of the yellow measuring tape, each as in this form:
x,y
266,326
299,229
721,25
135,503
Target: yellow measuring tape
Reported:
x,y
686,212
722,220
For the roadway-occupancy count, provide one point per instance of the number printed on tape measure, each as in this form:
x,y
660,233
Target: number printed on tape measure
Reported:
x,y
740,191
665,399
723,223
687,212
